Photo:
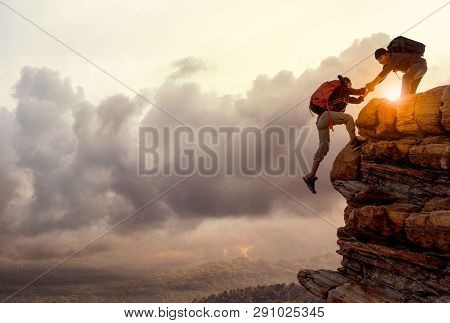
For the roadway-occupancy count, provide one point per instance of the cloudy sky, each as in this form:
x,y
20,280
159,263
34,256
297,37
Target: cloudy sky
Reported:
x,y
68,131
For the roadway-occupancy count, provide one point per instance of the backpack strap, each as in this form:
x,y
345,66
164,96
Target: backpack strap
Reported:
x,y
330,107
330,121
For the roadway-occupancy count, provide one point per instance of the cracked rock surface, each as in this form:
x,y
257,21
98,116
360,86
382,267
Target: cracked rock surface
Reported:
x,y
396,239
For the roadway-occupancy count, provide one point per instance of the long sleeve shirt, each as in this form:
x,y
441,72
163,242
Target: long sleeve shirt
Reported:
x,y
343,95
400,62
340,97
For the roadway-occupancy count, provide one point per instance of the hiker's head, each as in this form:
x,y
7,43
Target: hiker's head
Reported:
x,y
345,81
382,56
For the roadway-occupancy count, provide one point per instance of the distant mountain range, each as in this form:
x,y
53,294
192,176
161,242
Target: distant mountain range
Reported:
x,y
275,293
81,283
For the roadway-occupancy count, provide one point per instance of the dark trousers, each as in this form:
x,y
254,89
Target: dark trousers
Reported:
x,y
412,77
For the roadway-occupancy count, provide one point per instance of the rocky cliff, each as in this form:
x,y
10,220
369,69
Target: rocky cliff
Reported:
x,y
395,242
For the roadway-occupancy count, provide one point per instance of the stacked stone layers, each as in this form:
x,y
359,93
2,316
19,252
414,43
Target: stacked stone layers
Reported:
x,y
396,240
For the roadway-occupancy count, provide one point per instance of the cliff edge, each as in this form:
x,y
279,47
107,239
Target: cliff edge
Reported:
x,y
395,242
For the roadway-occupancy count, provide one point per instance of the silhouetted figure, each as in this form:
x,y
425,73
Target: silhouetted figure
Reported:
x,y
403,55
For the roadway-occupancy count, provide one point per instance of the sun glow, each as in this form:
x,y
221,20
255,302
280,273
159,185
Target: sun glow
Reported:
x,y
393,94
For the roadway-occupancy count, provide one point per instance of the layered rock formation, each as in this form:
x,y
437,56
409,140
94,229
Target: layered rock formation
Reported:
x,y
396,240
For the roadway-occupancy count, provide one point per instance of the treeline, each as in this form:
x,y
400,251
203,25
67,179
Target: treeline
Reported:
x,y
277,293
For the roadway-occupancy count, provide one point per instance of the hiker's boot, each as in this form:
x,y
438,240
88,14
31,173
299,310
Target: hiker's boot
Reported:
x,y
358,143
311,183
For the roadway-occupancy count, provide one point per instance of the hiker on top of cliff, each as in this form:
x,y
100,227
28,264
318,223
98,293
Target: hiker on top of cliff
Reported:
x,y
405,55
329,103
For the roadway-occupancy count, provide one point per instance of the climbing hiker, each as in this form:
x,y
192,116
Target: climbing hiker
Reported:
x,y
329,103
405,55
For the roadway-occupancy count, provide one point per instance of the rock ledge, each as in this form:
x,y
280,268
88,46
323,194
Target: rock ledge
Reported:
x,y
396,240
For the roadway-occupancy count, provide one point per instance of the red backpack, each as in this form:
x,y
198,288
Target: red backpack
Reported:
x,y
323,93
321,98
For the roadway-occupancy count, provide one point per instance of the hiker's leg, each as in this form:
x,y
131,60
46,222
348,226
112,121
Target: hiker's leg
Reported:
x,y
324,143
406,84
322,151
420,70
414,85
314,169
347,119
412,78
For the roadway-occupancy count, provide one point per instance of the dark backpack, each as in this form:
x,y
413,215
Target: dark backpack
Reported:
x,y
316,109
402,44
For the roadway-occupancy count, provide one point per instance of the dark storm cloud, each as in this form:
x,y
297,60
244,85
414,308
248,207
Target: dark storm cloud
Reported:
x,y
71,165
268,97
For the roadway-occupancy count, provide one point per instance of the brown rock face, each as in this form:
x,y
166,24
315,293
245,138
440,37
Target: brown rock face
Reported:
x,y
396,240
346,166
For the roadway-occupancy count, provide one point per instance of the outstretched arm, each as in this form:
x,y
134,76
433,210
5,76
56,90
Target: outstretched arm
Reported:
x,y
351,91
355,100
371,85
394,59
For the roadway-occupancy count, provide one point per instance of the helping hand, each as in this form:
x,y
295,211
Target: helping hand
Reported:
x,y
370,87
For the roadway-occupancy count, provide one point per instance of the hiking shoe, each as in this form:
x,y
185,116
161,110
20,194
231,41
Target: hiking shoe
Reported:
x,y
310,182
357,144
